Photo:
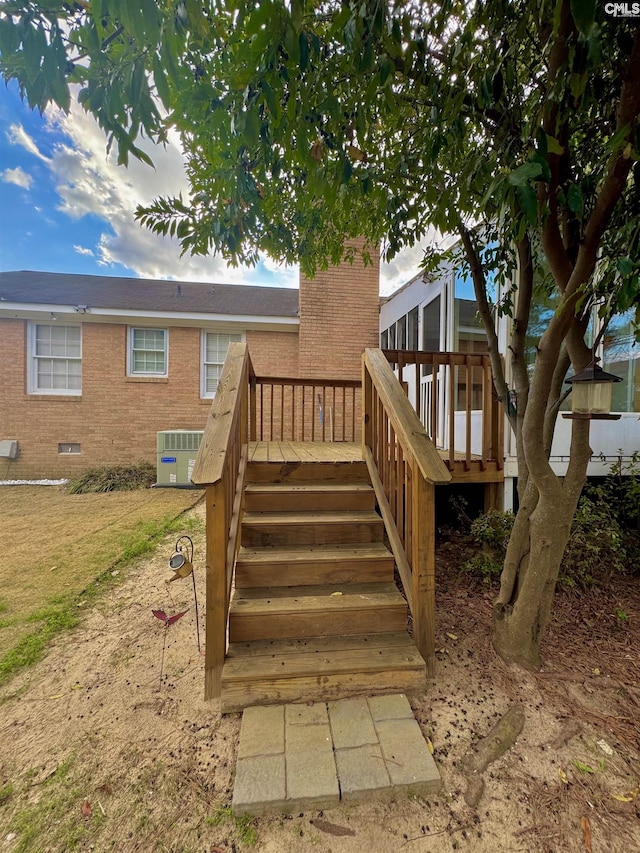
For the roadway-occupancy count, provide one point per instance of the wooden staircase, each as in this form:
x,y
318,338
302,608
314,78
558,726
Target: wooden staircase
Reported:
x,y
316,613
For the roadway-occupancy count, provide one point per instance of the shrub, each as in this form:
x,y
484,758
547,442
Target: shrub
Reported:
x,y
602,540
492,530
595,549
117,478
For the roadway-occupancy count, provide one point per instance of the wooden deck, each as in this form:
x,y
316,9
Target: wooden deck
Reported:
x,y
342,451
304,451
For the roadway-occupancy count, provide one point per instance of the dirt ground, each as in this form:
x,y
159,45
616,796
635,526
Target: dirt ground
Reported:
x,y
107,744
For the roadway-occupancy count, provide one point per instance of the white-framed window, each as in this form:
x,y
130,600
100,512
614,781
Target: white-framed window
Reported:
x,y
148,352
214,351
55,359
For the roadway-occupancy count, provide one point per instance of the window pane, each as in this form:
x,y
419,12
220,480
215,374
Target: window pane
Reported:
x,y
57,358
215,348
148,351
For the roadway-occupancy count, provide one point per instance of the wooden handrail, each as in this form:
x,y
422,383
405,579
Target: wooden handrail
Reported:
x,y
410,432
221,466
404,466
224,418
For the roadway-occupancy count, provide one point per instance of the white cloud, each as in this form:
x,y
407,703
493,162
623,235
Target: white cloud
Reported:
x,y
405,265
17,176
82,250
89,182
17,135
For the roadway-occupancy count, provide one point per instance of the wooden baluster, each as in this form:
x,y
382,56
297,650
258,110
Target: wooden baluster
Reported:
x,y
353,414
324,412
293,413
400,487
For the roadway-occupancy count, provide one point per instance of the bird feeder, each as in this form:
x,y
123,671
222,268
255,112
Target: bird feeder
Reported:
x,y
591,392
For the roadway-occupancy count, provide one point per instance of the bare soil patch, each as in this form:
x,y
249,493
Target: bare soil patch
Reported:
x,y
98,753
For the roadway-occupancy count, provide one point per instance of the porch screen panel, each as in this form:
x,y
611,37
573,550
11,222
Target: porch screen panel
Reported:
x,y
621,356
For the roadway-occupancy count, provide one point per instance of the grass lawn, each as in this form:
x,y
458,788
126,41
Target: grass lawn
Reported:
x,y
60,549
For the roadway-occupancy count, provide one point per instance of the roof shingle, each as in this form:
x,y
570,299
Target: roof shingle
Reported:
x,y
138,294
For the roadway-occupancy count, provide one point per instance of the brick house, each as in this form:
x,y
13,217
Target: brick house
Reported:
x,y
93,367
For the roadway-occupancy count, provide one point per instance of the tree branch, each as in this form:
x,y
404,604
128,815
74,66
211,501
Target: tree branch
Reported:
x,y
484,310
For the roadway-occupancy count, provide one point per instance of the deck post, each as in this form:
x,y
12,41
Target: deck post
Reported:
x,y
423,568
367,409
216,588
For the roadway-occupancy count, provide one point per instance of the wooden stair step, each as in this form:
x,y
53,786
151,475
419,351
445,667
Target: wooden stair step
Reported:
x,y
305,472
308,497
310,528
320,669
307,565
315,611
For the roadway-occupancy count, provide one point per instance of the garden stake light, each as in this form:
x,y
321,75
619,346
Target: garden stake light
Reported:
x,y
167,620
181,563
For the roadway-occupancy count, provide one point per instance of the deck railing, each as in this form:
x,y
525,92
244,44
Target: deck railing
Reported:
x,y
453,395
288,409
404,466
221,467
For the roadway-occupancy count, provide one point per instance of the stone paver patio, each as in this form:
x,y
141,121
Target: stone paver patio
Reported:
x,y
293,757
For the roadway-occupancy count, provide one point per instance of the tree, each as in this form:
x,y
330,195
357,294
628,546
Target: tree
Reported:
x,y
304,124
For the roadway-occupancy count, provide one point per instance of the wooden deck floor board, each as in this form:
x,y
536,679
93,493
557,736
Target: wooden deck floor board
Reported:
x,y
304,451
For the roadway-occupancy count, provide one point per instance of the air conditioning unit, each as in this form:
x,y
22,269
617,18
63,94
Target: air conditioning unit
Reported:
x,y
177,451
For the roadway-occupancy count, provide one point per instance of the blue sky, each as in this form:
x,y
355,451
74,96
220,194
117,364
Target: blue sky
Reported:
x,y
65,206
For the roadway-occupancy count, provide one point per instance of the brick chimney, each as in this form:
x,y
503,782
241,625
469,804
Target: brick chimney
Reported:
x,y
339,315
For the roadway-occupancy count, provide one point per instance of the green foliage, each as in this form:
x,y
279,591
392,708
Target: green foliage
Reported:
x,y
604,534
595,549
305,124
50,819
491,530
30,649
244,825
603,538
6,792
117,478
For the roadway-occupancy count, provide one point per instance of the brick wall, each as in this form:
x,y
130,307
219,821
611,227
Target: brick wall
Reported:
x,y
116,418
273,353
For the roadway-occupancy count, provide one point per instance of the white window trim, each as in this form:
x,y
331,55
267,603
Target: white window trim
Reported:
x,y
204,395
140,374
32,361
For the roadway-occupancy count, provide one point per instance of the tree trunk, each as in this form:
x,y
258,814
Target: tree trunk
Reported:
x,y
534,555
